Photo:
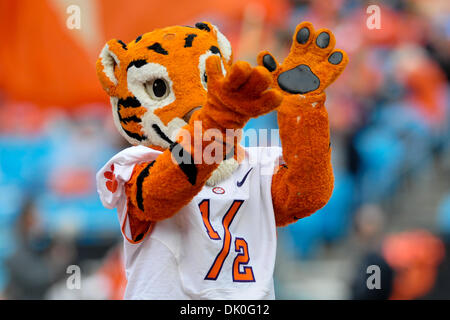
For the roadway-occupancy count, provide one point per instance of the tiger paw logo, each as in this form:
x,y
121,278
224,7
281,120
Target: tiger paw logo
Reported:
x,y
112,183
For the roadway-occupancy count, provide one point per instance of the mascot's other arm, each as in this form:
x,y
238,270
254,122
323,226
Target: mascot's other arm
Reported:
x,y
158,190
305,183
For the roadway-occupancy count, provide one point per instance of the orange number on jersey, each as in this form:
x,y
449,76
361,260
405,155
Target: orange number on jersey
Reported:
x,y
220,259
204,209
242,258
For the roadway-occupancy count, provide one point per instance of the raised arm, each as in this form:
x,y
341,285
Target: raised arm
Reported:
x,y
305,183
158,190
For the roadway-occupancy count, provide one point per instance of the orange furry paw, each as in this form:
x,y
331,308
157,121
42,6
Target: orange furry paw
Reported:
x,y
243,91
312,64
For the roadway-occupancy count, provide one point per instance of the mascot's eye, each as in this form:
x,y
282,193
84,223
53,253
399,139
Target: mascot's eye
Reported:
x,y
157,89
204,80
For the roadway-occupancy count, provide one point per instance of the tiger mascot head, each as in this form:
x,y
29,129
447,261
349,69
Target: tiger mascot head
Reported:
x,y
158,80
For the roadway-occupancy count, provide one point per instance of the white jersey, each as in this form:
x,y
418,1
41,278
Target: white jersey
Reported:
x,y
221,245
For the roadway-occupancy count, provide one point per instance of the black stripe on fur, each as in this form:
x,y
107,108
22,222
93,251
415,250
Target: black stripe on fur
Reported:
x,y
202,26
189,39
130,102
128,119
215,50
122,44
189,168
137,64
139,181
161,134
157,48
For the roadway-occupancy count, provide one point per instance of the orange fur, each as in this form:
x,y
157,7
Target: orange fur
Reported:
x,y
305,184
166,190
159,190
181,63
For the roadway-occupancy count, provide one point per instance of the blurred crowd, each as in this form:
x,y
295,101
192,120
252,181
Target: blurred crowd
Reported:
x,y
389,114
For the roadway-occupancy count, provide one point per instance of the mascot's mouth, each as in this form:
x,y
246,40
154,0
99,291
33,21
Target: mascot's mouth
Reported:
x,y
188,115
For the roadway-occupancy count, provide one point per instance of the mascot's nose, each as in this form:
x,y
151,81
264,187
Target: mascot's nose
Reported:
x,y
188,115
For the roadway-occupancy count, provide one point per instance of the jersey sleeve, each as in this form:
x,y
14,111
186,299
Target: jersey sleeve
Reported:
x,y
111,180
268,160
112,177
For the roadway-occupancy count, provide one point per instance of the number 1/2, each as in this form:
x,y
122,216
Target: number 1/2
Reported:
x,y
240,244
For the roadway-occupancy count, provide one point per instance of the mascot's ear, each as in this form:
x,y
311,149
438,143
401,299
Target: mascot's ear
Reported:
x,y
224,44
110,58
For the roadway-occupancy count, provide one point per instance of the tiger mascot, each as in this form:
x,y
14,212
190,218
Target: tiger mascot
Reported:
x,y
201,229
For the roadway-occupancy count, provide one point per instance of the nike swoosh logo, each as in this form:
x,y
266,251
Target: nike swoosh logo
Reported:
x,y
240,183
